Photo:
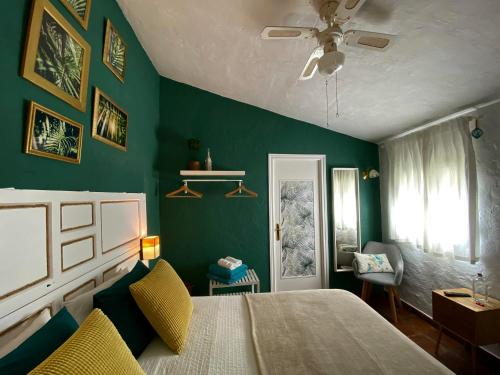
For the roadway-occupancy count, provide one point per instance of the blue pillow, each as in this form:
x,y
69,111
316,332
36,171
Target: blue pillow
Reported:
x,y
40,345
119,306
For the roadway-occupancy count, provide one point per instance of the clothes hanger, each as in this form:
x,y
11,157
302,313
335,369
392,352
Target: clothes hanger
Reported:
x,y
188,193
237,193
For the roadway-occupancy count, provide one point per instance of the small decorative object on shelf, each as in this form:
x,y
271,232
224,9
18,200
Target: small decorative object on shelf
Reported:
x,y
194,146
208,161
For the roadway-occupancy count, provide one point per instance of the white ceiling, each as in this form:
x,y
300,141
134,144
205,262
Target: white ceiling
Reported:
x,y
447,56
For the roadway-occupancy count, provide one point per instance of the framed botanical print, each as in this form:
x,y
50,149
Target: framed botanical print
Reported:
x,y
110,122
52,135
115,51
56,57
80,9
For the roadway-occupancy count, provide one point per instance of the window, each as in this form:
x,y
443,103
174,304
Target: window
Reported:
x,y
430,185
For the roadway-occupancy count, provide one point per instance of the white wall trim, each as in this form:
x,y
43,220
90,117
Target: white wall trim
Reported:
x,y
325,280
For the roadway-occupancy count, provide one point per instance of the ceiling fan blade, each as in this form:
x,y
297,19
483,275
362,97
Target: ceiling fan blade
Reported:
x,y
312,64
347,9
283,32
368,39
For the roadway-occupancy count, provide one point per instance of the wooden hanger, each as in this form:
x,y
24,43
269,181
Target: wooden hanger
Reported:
x,y
237,193
188,193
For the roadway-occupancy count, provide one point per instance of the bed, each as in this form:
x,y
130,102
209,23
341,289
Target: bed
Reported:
x,y
302,332
80,240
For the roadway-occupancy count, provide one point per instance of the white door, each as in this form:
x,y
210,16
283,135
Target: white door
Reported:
x,y
298,222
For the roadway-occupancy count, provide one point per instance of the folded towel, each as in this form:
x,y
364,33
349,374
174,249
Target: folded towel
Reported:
x,y
237,262
227,264
217,270
226,281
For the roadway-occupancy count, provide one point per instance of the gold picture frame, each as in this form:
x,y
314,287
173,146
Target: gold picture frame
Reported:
x,y
52,135
109,121
46,29
75,8
115,51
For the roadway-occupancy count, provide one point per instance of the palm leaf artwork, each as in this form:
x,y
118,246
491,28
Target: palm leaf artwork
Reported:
x,y
55,136
111,123
80,6
117,52
298,257
59,57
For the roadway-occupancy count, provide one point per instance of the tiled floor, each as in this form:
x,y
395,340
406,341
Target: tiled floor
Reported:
x,y
452,353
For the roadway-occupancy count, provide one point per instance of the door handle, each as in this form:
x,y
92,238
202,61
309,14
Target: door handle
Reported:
x,y
278,232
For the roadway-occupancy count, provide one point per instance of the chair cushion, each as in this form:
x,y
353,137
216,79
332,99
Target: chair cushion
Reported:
x,y
381,278
40,345
96,348
373,263
119,306
166,303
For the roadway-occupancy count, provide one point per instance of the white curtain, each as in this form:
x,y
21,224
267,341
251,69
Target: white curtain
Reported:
x,y
345,204
430,180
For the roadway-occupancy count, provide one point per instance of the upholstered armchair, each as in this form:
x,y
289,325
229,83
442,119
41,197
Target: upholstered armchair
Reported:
x,y
390,281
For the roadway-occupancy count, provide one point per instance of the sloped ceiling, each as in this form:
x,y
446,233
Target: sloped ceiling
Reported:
x,y
447,56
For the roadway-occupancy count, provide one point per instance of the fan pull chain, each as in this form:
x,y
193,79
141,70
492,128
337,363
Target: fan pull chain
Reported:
x,y
326,91
337,92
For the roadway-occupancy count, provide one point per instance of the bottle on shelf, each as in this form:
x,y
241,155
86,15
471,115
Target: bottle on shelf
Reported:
x,y
480,289
208,162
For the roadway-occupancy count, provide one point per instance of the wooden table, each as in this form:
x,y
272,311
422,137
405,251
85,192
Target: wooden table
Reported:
x,y
475,324
251,279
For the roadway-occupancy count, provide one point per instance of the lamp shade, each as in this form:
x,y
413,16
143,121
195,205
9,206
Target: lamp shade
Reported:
x,y
150,247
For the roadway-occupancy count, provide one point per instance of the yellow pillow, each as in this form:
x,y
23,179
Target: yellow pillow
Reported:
x,y
95,348
165,302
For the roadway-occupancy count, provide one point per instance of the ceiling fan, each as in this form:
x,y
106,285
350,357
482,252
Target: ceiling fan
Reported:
x,y
326,58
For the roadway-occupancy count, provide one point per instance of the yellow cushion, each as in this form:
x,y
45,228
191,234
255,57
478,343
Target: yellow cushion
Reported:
x,y
95,348
165,302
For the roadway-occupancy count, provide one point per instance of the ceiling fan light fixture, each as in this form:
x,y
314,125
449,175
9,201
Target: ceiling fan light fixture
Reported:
x,y
330,63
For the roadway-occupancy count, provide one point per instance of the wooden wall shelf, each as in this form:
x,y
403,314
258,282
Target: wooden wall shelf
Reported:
x,y
211,173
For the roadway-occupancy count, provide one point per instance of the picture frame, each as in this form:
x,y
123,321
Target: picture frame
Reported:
x,y
51,135
80,9
115,51
56,58
109,121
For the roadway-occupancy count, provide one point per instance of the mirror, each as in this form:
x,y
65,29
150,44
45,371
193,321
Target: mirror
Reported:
x,y
346,226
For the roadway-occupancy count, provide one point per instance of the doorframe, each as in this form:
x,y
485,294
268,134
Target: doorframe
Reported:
x,y
323,215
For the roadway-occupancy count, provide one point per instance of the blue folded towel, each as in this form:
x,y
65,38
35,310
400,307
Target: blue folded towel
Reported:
x,y
226,273
227,281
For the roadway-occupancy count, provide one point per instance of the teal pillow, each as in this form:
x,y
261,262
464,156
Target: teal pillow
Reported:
x,y
40,345
119,306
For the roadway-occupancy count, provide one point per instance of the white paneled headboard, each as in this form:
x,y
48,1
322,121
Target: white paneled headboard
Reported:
x,y
55,245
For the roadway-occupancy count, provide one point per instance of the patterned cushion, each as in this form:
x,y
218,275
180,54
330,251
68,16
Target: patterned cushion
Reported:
x,y
373,263
165,301
95,348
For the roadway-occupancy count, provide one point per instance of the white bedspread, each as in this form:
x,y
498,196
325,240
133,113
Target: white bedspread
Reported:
x,y
219,342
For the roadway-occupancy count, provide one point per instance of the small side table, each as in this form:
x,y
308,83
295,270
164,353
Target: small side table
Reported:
x,y
251,279
475,324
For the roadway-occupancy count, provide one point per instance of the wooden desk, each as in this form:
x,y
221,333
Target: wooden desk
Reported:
x,y
475,324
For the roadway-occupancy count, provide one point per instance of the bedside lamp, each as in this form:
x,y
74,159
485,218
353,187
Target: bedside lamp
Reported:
x,y
150,247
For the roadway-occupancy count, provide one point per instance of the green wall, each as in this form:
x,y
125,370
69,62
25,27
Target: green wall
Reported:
x,y
240,136
102,168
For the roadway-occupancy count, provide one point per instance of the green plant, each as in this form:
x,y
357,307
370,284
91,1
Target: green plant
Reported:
x,y
59,57
117,52
80,6
111,123
53,137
